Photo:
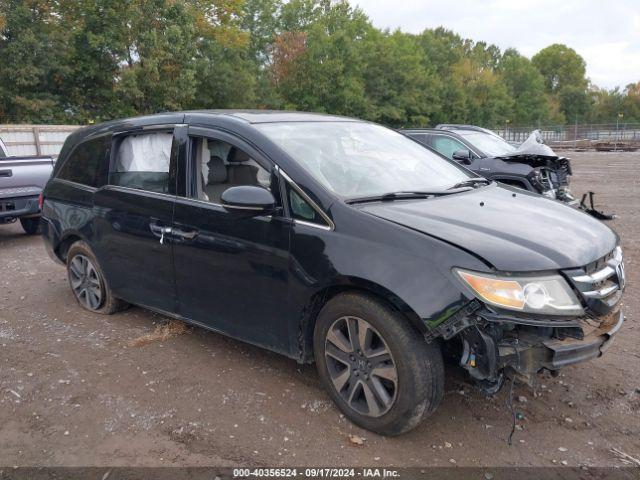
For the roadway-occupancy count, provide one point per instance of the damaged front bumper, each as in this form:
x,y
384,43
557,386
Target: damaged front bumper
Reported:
x,y
533,352
494,344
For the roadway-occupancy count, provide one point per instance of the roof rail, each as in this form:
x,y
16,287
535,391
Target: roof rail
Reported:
x,y
454,126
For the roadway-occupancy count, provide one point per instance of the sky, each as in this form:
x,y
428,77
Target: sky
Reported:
x,y
606,33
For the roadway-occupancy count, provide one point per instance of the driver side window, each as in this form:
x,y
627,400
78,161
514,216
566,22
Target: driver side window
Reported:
x,y
218,165
447,145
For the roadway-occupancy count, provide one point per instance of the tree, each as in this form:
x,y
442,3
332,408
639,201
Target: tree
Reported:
x,y
631,102
31,67
158,73
525,85
225,63
564,71
486,99
400,89
96,47
327,75
81,61
561,67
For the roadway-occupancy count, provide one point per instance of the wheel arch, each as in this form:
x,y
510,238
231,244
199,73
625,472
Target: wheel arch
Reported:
x,y
349,285
65,243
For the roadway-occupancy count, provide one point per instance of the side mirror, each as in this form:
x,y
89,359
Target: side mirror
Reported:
x,y
248,197
462,156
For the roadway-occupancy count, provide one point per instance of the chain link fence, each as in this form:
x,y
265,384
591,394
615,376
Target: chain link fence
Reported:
x,y
604,137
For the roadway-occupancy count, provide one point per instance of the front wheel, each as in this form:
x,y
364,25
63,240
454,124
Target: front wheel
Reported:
x,y
31,226
376,367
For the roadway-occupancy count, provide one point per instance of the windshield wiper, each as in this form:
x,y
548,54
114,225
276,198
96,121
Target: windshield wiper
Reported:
x,y
472,182
386,197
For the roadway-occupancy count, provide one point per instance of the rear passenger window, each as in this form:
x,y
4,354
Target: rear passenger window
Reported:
x,y
142,162
88,163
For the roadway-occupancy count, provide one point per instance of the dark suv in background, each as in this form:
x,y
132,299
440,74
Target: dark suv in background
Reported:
x,y
332,240
532,165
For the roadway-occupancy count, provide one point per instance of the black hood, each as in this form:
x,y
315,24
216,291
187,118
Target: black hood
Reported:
x,y
527,232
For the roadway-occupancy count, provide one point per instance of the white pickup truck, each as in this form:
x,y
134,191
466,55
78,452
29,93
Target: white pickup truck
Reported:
x,y
21,181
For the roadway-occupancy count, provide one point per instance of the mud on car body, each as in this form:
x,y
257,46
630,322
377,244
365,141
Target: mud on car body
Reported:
x,y
334,241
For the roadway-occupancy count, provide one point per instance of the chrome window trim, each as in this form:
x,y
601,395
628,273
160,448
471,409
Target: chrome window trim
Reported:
x,y
81,186
198,200
207,203
330,225
136,190
161,126
311,224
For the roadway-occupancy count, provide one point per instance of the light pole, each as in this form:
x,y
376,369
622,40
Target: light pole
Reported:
x,y
615,145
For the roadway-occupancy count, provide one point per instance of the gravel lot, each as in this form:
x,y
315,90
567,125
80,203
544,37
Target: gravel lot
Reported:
x,y
83,389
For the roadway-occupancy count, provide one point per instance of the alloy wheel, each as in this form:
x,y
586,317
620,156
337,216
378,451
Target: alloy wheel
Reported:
x,y
361,366
85,282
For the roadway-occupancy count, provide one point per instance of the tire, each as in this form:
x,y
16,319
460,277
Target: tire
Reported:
x,y
396,406
88,283
31,226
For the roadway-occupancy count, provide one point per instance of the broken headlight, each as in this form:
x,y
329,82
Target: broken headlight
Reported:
x,y
548,294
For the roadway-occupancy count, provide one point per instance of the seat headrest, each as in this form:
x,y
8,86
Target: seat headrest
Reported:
x,y
237,156
217,170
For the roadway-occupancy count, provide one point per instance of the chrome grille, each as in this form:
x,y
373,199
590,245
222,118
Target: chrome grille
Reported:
x,y
601,283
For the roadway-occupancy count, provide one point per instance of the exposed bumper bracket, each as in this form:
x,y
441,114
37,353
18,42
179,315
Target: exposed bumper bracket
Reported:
x,y
569,351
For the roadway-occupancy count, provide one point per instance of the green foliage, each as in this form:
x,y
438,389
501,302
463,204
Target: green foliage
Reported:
x,y
82,61
561,67
525,85
30,62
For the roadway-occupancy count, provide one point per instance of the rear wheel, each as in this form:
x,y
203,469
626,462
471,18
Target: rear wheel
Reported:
x,y
88,283
376,367
31,226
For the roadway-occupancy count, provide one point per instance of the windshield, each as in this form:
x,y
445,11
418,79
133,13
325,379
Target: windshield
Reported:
x,y
354,159
492,145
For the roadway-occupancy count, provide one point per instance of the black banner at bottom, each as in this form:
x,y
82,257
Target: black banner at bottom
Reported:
x,y
214,473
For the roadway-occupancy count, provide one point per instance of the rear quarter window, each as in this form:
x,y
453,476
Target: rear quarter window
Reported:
x,y
88,163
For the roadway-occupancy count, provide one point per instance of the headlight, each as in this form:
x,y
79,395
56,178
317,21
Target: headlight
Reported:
x,y
549,294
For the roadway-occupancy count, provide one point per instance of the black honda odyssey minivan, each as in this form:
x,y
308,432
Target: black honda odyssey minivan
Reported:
x,y
333,240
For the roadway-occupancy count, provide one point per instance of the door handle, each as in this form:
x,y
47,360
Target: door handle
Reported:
x,y
6,173
190,235
160,230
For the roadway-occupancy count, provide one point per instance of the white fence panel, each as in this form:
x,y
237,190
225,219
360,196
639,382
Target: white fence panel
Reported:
x,y
35,139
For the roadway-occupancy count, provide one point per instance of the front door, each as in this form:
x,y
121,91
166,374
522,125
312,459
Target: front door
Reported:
x,y
231,266
134,215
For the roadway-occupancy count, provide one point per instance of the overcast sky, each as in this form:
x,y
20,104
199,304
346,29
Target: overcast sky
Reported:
x,y
605,32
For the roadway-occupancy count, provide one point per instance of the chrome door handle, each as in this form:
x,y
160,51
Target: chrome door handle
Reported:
x,y
159,230
164,230
190,235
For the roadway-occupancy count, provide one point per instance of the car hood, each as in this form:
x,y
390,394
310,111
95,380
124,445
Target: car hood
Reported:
x,y
511,229
531,150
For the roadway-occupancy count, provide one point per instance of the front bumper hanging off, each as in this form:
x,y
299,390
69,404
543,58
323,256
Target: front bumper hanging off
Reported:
x,y
552,354
493,345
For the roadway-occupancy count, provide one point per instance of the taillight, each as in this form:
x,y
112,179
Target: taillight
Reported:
x,y
41,201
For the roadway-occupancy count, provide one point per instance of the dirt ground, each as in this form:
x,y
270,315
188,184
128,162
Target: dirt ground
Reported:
x,y
78,389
